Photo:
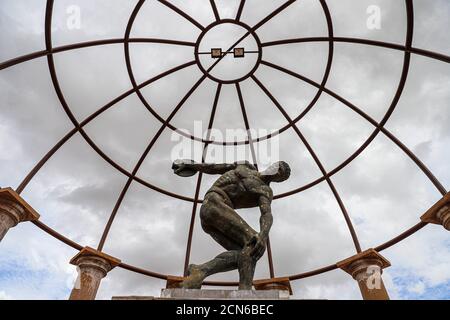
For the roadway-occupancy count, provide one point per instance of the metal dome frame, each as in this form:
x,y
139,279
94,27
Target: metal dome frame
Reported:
x,y
379,127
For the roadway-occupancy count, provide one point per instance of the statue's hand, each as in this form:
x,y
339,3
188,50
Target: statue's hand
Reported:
x,y
183,168
178,166
258,245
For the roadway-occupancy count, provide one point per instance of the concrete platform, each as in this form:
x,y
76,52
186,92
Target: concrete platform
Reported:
x,y
196,294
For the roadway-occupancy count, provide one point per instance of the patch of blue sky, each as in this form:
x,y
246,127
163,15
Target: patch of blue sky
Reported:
x,y
416,288
18,281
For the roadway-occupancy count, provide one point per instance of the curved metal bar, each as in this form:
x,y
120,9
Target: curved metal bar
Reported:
x,y
199,182
394,46
141,160
157,116
401,236
136,87
65,106
294,277
255,163
181,13
317,161
57,235
143,271
377,125
82,45
258,25
153,140
94,115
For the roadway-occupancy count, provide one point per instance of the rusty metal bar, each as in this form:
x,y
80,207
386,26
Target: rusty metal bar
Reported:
x,y
199,182
377,125
214,9
240,9
82,45
90,118
382,44
255,163
317,161
179,11
380,127
141,160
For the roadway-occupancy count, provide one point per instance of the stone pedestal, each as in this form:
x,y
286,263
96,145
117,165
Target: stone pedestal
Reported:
x,y
280,284
93,267
202,294
13,210
366,268
439,213
214,294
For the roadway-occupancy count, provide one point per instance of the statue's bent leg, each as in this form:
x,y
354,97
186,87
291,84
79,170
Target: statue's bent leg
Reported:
x,y
246,267
225,261
224,224
234,234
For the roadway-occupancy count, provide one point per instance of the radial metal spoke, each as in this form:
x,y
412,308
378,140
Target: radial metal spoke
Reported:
x,y
199,181
240,9
253,29
255,162
214,9
273,14
394,46
181,13
81,45
316,160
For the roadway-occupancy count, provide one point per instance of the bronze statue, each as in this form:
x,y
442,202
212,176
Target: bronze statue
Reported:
x,y
239,186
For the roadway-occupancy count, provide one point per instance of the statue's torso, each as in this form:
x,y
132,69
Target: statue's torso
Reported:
x,y
243,187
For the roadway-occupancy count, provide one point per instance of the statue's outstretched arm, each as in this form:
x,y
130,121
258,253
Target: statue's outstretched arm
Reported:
x,y
181,167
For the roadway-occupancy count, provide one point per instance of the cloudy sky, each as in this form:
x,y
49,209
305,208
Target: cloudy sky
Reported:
x,y
383,191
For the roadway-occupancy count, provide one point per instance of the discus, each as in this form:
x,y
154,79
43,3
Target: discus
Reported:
x,y
185,172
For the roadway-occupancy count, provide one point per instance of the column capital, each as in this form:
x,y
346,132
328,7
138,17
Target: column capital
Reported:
x,y
274,284
15,207
174,282
94,266
89,257
439,213
357,265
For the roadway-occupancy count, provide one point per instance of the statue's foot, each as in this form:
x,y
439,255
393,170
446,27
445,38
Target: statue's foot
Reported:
x,y
194,279
245,286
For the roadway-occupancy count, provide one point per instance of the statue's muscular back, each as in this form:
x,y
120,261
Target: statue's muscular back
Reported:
x,y
243,186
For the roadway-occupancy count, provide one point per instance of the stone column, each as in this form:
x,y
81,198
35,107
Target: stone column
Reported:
x,y
439,213
93,267
13,210
366,268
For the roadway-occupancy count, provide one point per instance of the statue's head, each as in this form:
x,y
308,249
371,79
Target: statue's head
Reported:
x,y
278,172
